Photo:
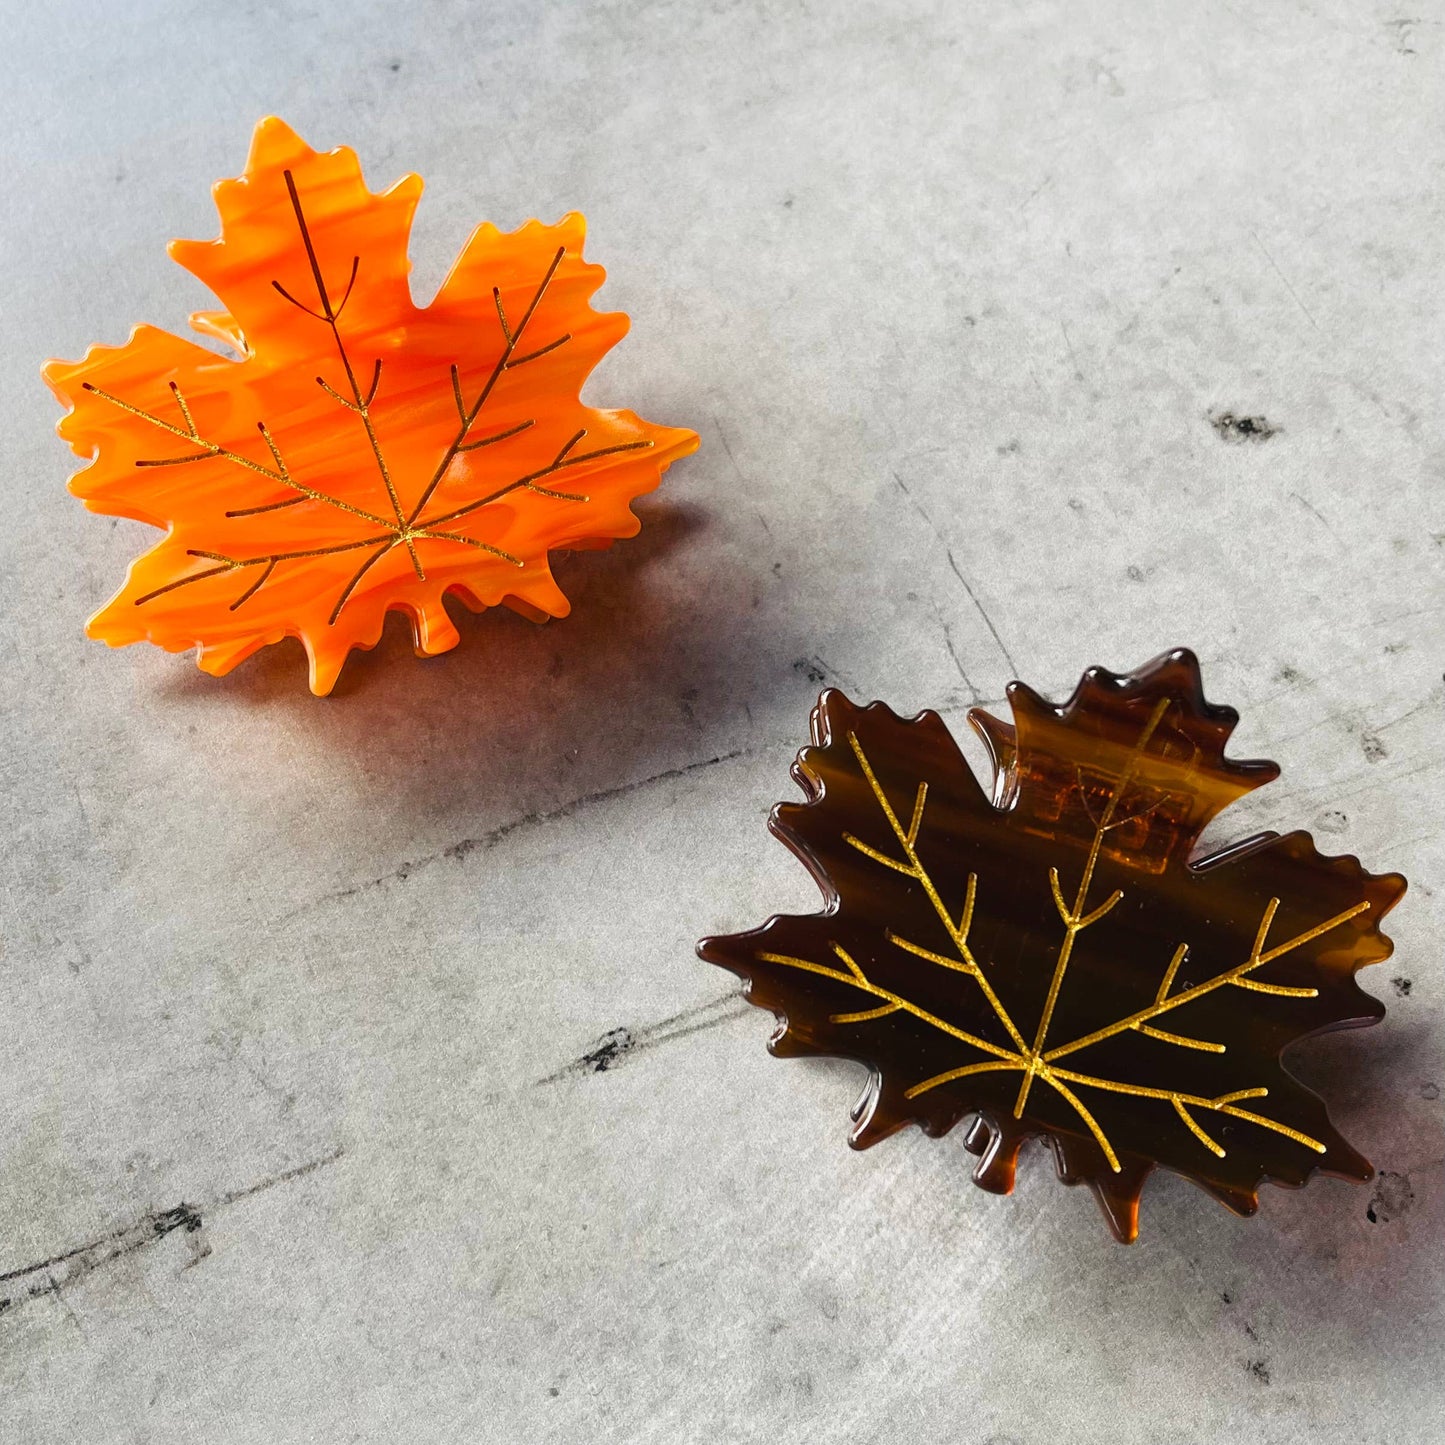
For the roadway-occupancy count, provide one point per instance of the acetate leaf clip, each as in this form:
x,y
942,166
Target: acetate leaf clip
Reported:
x,y
1051,960
362,454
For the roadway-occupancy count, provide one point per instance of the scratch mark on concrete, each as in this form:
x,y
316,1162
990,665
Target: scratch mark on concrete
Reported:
x,y
464,847
1314,512
1068,341
1295,294
52,1288
958,663
1304,795
982,612
957,572
1429,702
64,1270
1038,190
723,438
617,1044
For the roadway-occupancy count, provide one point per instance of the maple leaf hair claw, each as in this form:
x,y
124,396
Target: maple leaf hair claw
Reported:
x,y
1051,959
361,454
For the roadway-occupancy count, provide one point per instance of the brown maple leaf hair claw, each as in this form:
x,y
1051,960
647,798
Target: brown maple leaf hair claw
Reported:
x,y
355,453
1052,959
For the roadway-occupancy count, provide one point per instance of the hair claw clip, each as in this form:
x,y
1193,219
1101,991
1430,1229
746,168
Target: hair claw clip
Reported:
x,y
356,453
1051,959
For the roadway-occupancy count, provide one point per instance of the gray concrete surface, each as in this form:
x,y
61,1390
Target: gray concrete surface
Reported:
x,y
299,1140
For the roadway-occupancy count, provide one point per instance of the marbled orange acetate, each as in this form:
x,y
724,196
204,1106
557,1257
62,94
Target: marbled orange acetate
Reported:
x,y
360,453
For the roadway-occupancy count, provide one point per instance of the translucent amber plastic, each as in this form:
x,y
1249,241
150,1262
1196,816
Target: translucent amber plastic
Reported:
x,y
1051,960
361,453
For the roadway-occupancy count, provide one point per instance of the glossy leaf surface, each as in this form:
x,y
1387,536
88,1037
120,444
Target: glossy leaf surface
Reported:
x,y
357,453
1050,958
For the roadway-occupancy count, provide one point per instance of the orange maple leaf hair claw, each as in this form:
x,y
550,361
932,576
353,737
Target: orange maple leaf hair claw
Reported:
x,y
362,453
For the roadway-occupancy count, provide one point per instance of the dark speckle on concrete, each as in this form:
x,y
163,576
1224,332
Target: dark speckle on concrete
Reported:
x,y
1260,1370
182,1216
1430,1090
1393,1196
1373,747
613,1045
1234,428
1402,987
